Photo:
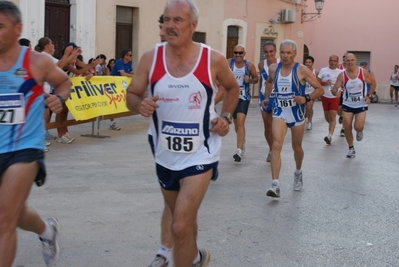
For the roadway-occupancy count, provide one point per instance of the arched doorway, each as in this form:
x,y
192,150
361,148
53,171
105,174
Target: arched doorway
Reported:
x,y
305,52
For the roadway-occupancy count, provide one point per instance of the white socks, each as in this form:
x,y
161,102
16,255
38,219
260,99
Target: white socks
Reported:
x,y
165,252
48,233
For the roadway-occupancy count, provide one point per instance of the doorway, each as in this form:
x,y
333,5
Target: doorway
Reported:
x,y
57,23
232,40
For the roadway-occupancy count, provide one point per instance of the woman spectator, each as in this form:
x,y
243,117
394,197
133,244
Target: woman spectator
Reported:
x,y
45,45
109,67
108,70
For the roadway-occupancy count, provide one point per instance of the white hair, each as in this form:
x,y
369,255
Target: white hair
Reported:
x,y
194,12
289,42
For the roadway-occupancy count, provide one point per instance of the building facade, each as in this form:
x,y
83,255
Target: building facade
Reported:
x,y
108,26
368,30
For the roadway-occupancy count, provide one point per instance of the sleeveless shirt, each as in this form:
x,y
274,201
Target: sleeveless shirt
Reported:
x,y
181,125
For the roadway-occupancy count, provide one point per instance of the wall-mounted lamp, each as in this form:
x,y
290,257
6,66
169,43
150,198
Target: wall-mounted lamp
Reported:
x,y
319,6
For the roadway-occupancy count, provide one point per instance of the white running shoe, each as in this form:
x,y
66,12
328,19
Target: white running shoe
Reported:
x,y
114,127
205,258
328,140
269,156
238,155
50,248
64,139
274,191
351,153
298,181
359,136
69,136
159,261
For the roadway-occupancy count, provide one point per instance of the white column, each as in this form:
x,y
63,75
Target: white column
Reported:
x,y
83,22
32,19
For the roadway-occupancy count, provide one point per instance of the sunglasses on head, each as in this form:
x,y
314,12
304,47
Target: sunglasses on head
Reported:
x,y
238,52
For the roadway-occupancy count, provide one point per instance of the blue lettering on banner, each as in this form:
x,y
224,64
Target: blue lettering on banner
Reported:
x,y
89,89
180,129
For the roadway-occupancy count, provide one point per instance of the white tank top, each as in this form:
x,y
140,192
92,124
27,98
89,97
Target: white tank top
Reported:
x,y
239,74
309,89
326,74
180,126
395,79
355,90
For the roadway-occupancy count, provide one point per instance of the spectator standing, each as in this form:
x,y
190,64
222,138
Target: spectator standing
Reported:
x,y
107,72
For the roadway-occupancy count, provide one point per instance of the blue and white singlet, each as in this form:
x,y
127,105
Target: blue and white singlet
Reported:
x,y
285,89
21,107
239,74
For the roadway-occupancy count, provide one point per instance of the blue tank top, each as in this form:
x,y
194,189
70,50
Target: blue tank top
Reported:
x,y
21,107
283,101
245,90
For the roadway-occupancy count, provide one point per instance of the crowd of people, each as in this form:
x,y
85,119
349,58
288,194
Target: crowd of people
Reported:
x,y
73,64
184,136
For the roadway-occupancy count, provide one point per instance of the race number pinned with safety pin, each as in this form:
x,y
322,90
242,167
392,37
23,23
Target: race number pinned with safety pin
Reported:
x,y
286,100
12,109
180,137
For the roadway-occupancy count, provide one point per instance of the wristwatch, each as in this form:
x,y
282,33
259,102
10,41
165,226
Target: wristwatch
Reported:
x,y
307,97
62,99
227,116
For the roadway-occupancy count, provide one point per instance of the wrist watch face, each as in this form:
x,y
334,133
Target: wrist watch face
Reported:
x,y
228,117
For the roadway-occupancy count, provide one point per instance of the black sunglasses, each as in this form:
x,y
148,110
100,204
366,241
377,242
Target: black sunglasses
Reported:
x,y
238,52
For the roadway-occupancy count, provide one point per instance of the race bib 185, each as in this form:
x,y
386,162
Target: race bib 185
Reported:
x,y
180,137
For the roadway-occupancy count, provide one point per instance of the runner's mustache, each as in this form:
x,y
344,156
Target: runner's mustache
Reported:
x,y
171,32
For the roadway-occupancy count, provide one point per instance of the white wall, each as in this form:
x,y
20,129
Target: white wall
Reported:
x,y
83,26
32,19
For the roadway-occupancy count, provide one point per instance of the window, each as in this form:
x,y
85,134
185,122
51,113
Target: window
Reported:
x,y
232,31
199,37
362,56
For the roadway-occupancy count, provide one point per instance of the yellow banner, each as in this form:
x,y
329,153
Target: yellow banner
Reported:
x,y
101,95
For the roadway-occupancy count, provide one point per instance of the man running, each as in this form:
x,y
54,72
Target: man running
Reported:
x,y
355,99
245,73
327,78
186,131
269,50
309,61
23,100
289,79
